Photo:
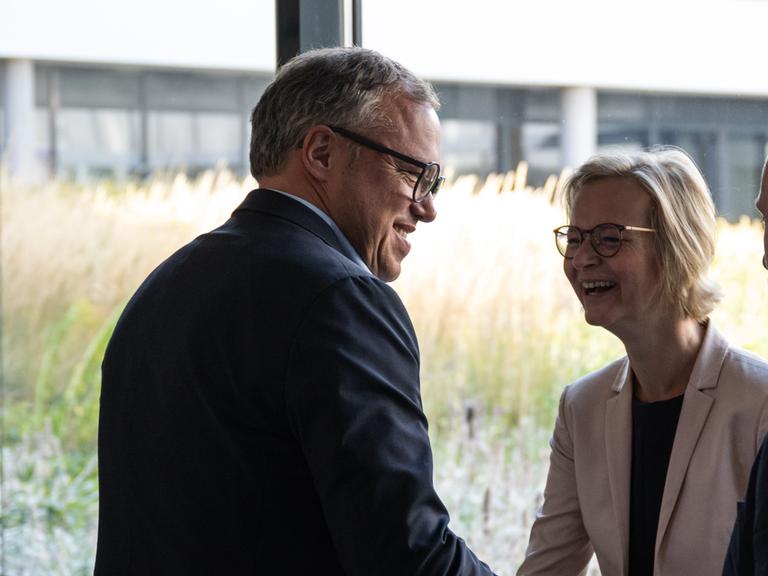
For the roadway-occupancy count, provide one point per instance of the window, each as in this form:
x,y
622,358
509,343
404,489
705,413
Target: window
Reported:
x,y
744,156
93,142
193,140
468,146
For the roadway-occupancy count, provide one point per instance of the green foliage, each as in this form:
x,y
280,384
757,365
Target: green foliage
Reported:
x,y
65,400
51,484
500,333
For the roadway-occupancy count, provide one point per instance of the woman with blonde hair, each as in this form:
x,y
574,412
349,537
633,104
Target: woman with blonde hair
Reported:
x,y
651,452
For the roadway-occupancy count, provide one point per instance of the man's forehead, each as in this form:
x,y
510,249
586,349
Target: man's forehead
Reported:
x,y
412,125
403,111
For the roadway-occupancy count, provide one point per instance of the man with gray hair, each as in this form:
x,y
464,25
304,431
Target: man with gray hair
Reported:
x,y
260,409
748,550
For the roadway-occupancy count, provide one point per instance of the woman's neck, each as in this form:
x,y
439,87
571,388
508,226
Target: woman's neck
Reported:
x,y
662,364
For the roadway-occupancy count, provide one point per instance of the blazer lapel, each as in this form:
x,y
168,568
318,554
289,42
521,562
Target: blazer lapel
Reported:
x,y
693,415
618,447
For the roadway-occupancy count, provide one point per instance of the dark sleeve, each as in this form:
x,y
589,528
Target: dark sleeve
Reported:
x,y
353,399
748,550
759,500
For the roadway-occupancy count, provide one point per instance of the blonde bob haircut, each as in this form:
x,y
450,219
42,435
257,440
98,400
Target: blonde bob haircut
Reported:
x,y
682,213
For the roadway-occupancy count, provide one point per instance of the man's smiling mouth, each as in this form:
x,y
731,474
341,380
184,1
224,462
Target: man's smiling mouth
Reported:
x,y
401,231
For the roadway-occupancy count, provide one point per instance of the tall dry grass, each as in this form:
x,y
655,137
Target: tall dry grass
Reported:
x,y
65,246
499,330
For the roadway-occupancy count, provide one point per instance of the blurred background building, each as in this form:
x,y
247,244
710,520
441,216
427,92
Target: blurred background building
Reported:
x,y
116,90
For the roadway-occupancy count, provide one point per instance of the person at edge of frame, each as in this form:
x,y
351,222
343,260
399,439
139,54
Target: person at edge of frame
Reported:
x,y
748,551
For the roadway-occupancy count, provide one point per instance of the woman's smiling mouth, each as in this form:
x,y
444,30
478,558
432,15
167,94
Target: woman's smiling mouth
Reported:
x,y
597,286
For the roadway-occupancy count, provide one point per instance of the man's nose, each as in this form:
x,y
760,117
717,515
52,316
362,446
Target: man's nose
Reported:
x,y
424,210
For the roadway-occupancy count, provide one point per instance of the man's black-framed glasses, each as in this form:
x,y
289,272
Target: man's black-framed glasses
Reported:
x,y
429,180
606,239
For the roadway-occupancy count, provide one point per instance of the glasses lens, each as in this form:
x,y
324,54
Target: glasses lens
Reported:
x,y
568,240
438,185
427,182
606,239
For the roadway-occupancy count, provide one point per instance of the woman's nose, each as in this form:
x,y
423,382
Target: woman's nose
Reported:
x,y
585,255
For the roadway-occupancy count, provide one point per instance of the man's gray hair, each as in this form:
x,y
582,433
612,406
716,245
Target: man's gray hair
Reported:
x,y
347,87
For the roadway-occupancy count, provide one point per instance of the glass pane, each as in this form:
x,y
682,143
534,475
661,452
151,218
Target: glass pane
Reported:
x,y
180,91
186,139
98,88
744,153
541,148
43,136
627,138
467,102
542,105
171,138
219,138
97,142
702,146
468,146
618,107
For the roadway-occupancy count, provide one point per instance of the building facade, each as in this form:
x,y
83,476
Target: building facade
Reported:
x,y
518,81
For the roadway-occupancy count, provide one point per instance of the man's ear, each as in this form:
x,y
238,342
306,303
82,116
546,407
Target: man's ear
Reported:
x,y
319,151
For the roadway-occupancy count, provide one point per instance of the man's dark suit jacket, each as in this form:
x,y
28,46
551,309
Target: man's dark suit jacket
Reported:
x,y
261,414
748,550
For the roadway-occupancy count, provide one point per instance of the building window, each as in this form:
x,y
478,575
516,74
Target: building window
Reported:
x,y
93,142
541,149
744,157
468,146
626,138
188,140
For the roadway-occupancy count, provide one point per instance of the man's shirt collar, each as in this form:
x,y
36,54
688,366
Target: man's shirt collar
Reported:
x,y
328,220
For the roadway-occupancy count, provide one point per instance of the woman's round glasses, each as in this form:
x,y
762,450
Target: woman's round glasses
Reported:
x,y
429,180
606,239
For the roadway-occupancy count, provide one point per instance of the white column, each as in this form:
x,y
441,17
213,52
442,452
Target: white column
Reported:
x,y
579,125
20,121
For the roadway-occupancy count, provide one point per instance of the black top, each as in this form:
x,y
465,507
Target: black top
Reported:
x,y
653,433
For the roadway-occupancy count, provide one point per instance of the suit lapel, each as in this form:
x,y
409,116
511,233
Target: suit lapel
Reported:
x,y
618,447
697,405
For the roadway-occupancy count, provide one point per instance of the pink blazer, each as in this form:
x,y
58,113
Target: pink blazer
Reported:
x,y
586,500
